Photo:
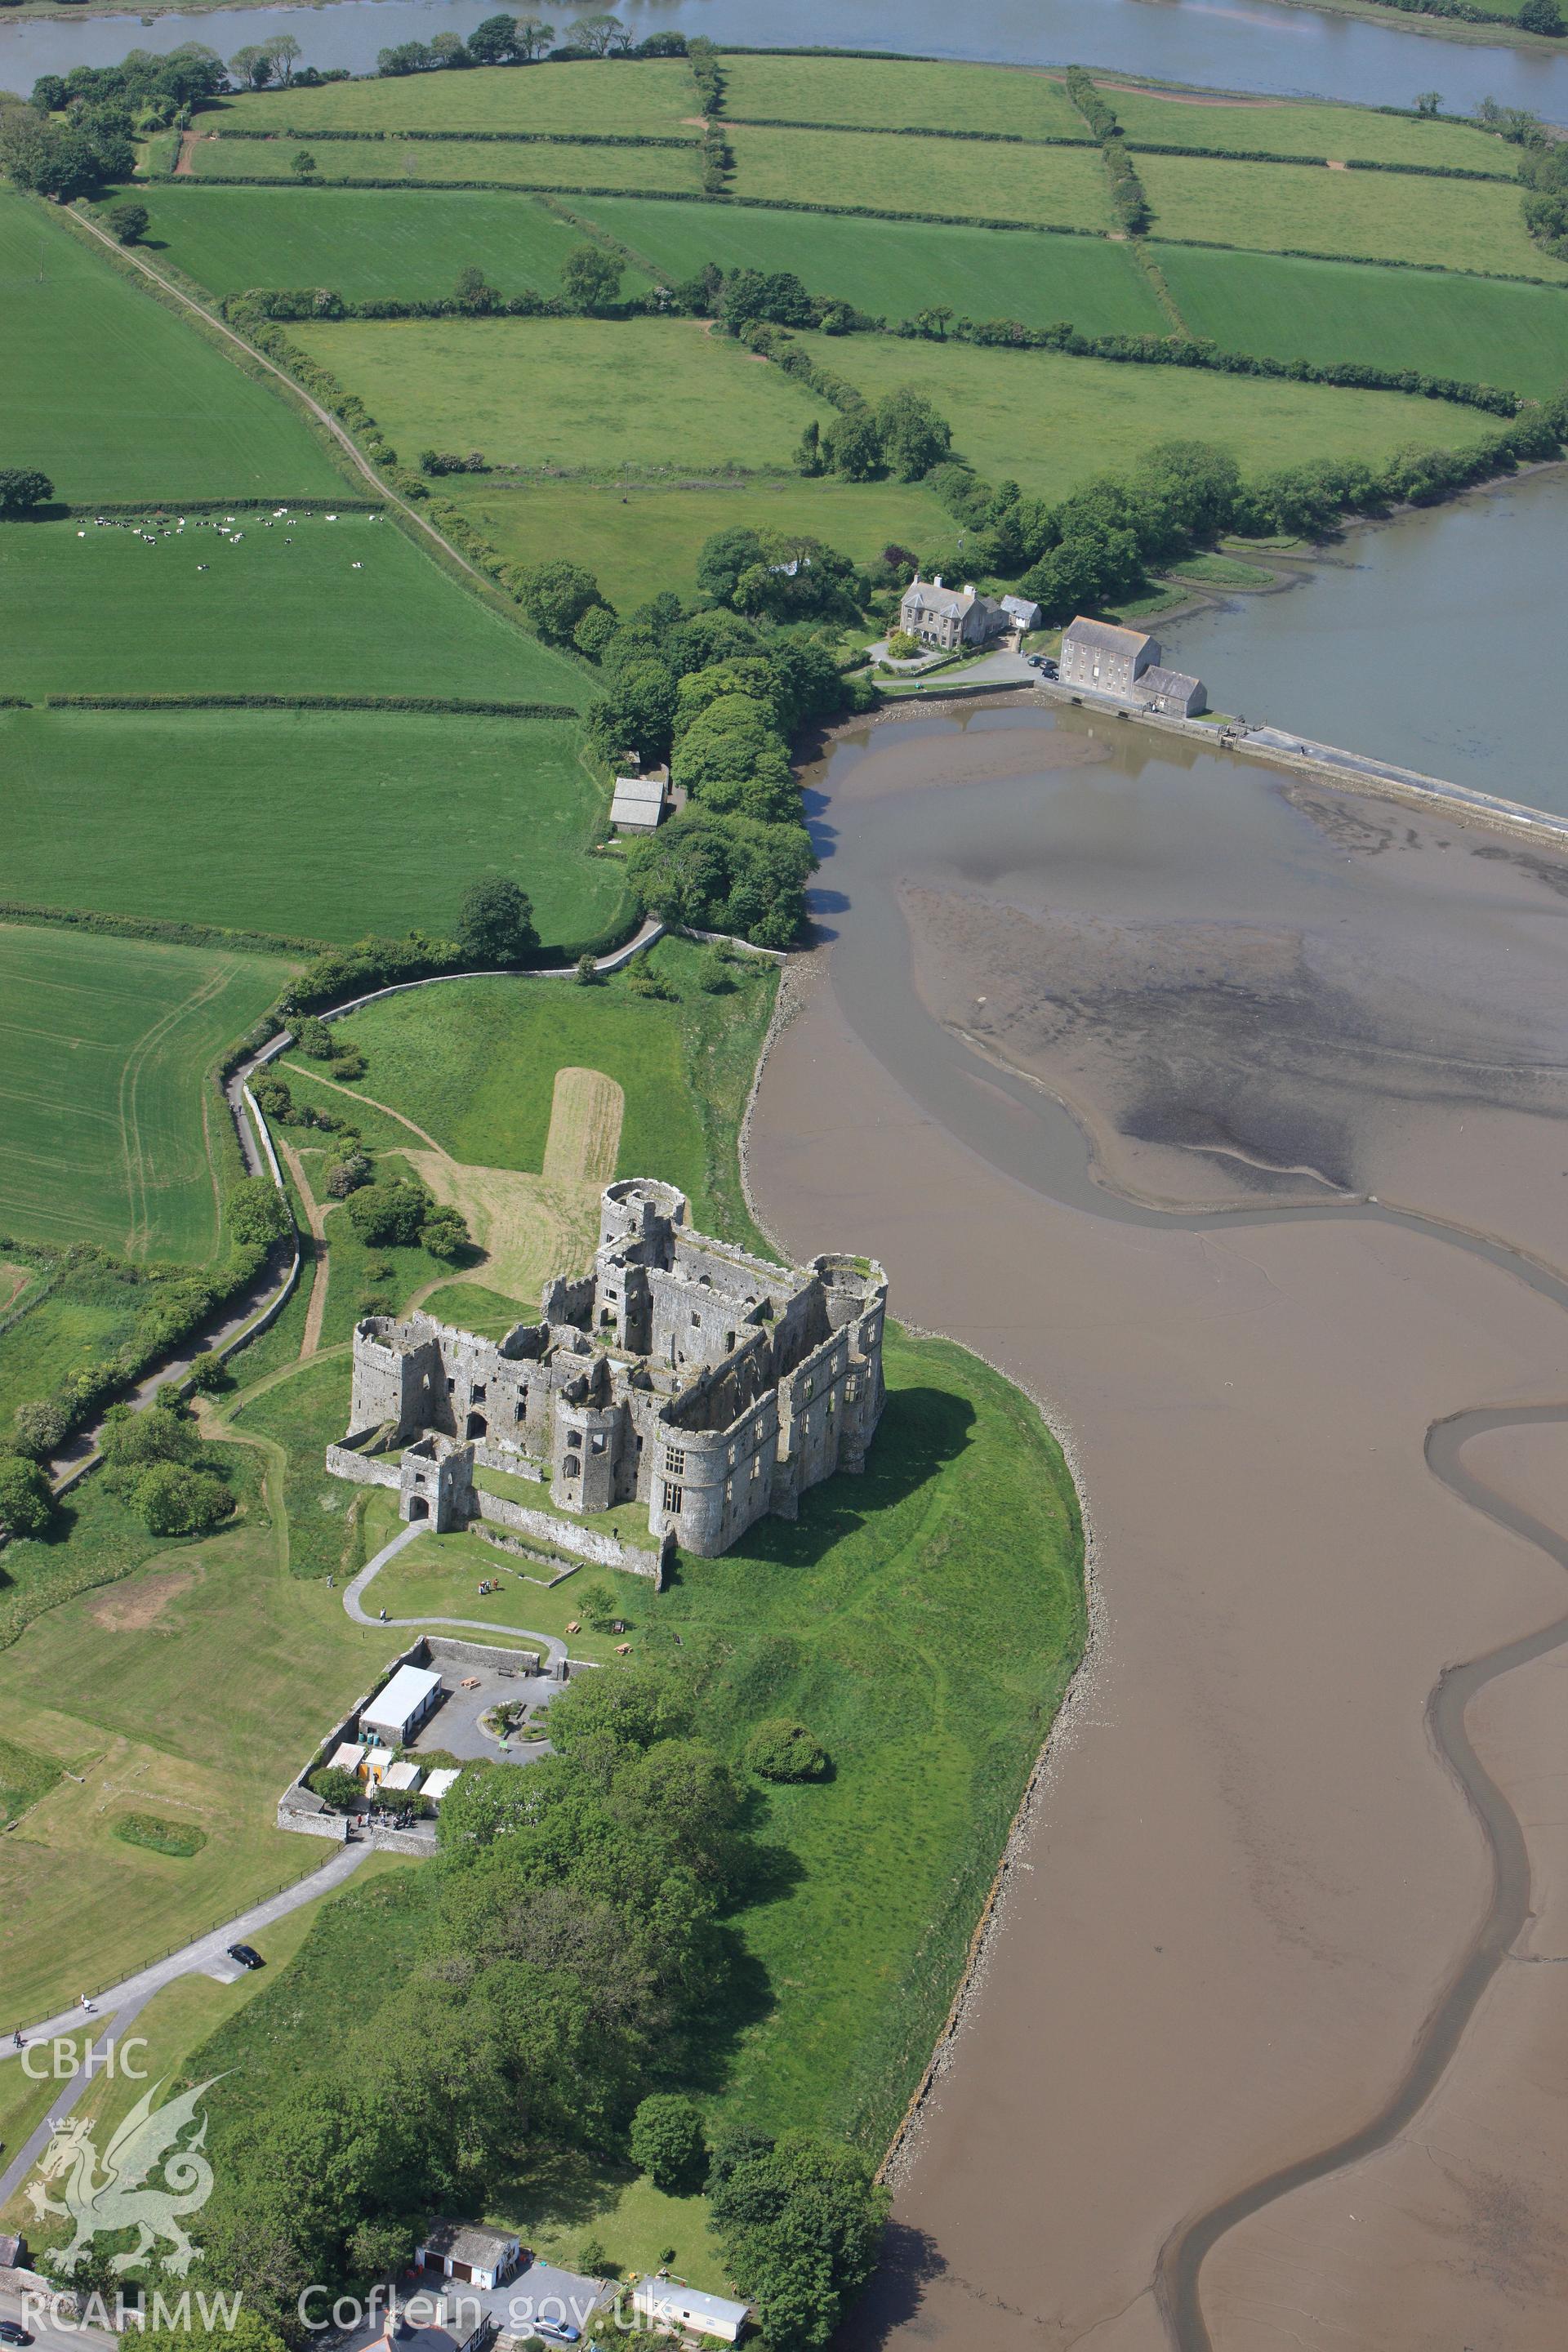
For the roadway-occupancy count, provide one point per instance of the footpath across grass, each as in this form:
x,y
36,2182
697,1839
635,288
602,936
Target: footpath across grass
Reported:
x,y
114,397
1473,329
313,824
286,606
895,269
599,394
106,1133
368,244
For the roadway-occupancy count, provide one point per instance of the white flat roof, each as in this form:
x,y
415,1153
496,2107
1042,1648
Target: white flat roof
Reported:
x,y
401,1776
348,1756
404,1694
663,2299
437,1786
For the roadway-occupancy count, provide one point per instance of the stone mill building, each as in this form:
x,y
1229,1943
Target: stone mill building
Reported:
x,y
679,1372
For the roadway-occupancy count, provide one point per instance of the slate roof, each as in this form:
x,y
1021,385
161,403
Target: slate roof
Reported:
x,y
464,2241
1168,681
1104,636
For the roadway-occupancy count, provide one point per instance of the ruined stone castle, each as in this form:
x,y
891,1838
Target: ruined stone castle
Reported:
x,y
680,1372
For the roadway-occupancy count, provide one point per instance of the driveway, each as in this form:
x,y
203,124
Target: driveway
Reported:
x,y
454,1725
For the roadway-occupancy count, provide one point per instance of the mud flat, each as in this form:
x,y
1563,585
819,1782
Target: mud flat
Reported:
x,y
1277,1949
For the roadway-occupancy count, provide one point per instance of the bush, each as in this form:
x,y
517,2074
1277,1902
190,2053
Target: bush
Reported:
x,y
209,1373
781,1750
668,2142
389,1215
23,487
445,1234
27,1500
348,1174
495,921
1541,17
175,1500
901,647
314,1039
587,974
128,221
592,2258
337,1788
42,1425
714,976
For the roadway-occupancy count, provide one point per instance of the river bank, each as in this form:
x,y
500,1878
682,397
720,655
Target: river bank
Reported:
x,y
1374,56
1249,1885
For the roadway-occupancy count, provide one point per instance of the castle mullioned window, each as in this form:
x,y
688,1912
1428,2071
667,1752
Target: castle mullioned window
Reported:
x,y
674,1461
672,1496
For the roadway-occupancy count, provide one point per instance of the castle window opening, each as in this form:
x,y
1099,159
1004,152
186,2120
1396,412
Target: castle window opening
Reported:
x,y
478,1425
675,1461
477,1393
696,1319
672,1496
571,1467
596,1443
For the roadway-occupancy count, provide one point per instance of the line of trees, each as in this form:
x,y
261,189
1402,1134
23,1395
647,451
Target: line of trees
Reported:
x,y
508,40
1129,200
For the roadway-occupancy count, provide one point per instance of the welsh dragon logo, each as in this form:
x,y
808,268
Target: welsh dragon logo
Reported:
x,y
115,2198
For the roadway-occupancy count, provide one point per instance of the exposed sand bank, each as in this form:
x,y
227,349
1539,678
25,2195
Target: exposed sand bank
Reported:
x,y
1249,1879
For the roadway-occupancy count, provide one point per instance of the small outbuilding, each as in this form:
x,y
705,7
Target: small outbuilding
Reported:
x,y
395,1714
672,2309
1172,691
404,1776
639,803
462,2251
1022,612
347,1756
438,1782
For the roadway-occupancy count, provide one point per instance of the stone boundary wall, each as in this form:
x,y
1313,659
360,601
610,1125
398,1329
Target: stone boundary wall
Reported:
x,y
605,1551
360,1470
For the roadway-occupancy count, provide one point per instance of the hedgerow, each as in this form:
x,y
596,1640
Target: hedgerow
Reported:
x,y
427,704
1128,198
475,138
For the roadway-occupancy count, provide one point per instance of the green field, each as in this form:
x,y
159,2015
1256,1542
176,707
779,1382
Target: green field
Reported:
x,y
294,607
475,1063
103,1120
647,99
1278,126
645,540
77,1319
193,1687
325,825
895,269
431,163
1375,215
898,94
1058,187
1474,329
595,394
370,244
116,398
1051,422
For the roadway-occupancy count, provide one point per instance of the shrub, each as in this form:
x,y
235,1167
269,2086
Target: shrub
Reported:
x,y
902,646
668,2142
175,1500
348,1174
27,1500
42,1424
495,921
23,487
128,221
444,1234
714,976
389,1215
313,1038
646,983
781,1750
303,163
336,1787
1541,17
587,974
209,1373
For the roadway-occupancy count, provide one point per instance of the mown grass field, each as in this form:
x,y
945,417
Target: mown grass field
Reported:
x,y
1297,127
295,607
1051,422
649,98
591,394
325,825
1371,216
1058,187
431,163
192,1686
475,1063
1476,329
103,1119
646,539
896,268
116,398
370,244
899,94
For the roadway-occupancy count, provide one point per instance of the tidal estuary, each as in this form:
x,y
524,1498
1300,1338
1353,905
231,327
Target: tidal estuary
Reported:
x,y
1227,1113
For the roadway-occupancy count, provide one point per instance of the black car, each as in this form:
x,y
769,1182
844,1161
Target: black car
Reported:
x,y
247,1955
13,2332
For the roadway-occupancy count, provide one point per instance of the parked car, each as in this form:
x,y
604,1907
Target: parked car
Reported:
x,y
13,2332
558,2331
247,1955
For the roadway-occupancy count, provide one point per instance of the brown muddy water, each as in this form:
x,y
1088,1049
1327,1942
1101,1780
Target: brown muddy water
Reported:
x,y
1230,1117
